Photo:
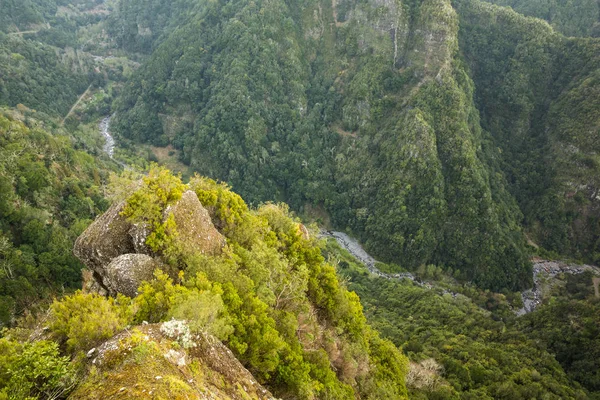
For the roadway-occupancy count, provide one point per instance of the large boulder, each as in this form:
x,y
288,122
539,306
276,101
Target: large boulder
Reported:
x,y
195,230
125,273
116,253
106,238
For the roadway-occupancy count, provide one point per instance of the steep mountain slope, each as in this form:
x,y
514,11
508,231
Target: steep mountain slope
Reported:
x,y
150,362
49,192
41,77
574,18
459,350
266,291
363,108
537,92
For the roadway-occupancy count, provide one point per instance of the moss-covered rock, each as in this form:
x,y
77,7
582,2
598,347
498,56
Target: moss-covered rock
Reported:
x,y
150,363
195,229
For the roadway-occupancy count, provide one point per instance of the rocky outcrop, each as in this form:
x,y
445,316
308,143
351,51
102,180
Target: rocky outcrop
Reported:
x,y
116,253
106,238
153,362
124,274
195,230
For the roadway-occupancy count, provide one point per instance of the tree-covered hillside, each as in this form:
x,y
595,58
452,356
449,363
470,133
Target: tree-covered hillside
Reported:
x,y
537,93
457,140
365,109
474,347
263,288
49,193
572,18
40,76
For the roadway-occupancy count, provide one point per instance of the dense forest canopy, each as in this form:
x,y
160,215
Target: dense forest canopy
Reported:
x,y
581,18
378,129
49,193
434,145
455,139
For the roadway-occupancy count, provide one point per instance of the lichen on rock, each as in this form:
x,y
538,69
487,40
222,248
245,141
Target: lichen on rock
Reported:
x,y
115,249
146,363
125,273
106,238
195,229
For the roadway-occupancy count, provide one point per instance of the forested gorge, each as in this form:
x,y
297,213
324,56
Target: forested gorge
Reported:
x,y
432,146
456,139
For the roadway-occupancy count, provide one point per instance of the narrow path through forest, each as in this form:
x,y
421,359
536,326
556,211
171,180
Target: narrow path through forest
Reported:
x,y
76,104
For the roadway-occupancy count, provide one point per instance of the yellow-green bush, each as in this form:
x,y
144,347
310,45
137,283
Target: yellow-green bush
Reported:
x,y
81,321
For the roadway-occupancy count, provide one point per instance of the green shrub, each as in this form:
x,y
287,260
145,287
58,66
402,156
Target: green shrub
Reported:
x,y
82,321
34,371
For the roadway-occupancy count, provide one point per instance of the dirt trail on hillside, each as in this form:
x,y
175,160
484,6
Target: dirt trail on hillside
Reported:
x,y
76,104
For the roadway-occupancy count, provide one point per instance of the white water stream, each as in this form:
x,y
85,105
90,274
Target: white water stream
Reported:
x,y
109,145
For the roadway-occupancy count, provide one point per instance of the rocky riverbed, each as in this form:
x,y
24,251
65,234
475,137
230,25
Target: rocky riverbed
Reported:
x,y
543,271
109,145
354,248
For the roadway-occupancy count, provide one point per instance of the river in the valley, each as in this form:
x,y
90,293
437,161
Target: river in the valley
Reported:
x,y
543,271
109,144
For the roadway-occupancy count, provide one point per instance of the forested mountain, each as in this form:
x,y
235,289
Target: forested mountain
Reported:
x,y
41,77
457,350
433,130
458,140
537,92
49,193
343,108
581,18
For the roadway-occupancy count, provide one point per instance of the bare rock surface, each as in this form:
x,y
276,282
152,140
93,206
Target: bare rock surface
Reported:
x,y
106,238
196,232
125,273
115,251
545,273
139,233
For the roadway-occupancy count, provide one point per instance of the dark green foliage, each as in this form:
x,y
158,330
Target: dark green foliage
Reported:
x,y
34,75
276,303
481,357
286,105
22,14
577,18
537,94
137,25
570,327
49,193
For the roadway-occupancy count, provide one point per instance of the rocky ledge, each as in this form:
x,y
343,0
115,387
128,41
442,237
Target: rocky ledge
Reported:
x,y
115,252
166,361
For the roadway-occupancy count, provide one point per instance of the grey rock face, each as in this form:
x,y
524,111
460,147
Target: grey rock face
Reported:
x,y
139,233
125,273
106,238
195,230
116,253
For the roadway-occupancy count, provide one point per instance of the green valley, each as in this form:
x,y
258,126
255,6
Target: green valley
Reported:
x,y
186,187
